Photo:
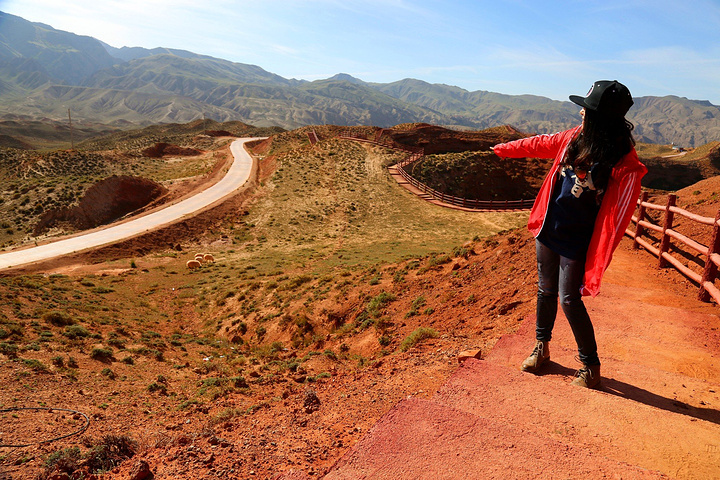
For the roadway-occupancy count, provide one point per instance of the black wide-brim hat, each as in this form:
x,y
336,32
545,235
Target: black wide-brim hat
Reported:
x,y
608,97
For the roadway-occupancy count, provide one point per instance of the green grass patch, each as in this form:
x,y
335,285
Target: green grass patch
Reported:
x,y
417,336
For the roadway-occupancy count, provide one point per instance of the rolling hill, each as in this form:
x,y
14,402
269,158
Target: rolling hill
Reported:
x,y
44,72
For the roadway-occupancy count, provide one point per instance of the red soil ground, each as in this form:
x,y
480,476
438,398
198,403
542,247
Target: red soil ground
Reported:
x,y
660,348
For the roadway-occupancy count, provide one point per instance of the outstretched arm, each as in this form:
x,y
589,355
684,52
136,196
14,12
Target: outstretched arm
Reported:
x,y
539,146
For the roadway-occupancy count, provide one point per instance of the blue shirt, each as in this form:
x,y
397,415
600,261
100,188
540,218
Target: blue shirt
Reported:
x,y
570,218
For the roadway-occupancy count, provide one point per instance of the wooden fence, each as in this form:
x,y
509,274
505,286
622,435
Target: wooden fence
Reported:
x,y
663,251
312,136
642,222
417,153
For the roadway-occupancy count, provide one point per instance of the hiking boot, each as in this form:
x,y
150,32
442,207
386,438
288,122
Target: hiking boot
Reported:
x,y
588,376
539,355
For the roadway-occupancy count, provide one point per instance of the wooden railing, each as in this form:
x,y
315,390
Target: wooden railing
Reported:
x,y
642,222
312,136
417,153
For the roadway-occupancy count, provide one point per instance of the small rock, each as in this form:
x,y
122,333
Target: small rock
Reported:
x,y
140,471
311,401
59,476
462,356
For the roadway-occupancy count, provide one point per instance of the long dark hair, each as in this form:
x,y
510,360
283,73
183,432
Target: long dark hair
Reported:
x,y
604,141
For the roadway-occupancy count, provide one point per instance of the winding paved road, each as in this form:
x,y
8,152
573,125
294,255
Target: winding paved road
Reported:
x,y
238,174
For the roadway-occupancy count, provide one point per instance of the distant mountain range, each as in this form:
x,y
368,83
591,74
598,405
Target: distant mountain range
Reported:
x,y
44,72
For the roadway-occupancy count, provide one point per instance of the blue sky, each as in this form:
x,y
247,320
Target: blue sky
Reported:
x,y
548,48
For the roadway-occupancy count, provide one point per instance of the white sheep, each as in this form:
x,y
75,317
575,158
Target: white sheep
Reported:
x,y
208,257
193,264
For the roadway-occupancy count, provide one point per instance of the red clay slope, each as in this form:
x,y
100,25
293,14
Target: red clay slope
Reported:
x,y
656,415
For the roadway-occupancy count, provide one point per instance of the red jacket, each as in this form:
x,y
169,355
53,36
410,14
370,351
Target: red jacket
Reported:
x,y
616,209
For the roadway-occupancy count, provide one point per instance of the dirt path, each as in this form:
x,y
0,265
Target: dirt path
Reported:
x,y
240,171
656,415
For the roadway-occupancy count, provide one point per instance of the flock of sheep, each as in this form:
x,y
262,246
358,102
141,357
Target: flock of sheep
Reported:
x,y
200,258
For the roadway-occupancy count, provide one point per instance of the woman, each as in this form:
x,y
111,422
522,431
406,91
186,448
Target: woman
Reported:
x,y
580,215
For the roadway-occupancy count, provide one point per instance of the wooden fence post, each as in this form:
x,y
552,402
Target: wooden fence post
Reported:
x,y
639,229
665,241
711,269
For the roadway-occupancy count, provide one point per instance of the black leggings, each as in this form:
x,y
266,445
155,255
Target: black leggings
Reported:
x,y
561,276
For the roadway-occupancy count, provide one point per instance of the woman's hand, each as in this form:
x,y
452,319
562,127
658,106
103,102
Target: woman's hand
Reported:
x,y
493,150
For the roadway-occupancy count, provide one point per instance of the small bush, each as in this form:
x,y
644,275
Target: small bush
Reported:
x,y
416,305
157,387
102,290
10,329
303,324
59,319
8,349
296,282
110,452
36,365
152,339
378,303
439,260
150,352
66,460
74,332
101,354
419,335
103,455
463,252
